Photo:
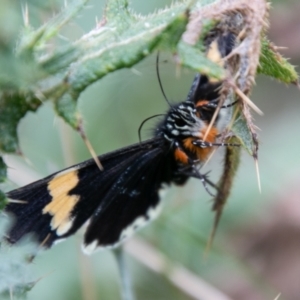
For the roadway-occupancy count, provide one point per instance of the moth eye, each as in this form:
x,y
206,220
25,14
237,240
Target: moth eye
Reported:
x,y
180,122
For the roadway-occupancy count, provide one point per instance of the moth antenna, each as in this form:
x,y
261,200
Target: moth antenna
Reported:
x,y
142,124
257,174
89,147
159,80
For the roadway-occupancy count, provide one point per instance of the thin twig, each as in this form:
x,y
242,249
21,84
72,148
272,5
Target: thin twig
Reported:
x,y
87,278
183,279
126,288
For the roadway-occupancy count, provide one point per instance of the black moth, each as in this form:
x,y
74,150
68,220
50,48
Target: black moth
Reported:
x,y
125,196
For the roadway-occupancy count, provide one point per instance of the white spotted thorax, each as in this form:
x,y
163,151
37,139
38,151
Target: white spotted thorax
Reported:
x,y
182,121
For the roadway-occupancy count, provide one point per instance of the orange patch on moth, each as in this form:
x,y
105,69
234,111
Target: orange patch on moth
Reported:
x,y
201,153
201,103
181,156
215,56
62,204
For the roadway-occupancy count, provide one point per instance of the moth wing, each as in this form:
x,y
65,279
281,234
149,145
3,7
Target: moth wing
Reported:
x,y
130,204
55,207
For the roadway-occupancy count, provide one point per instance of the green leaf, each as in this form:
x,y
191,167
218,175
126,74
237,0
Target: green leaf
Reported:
x,y
274,65
3,170
31,38
242,132
15,70
3,174
16,277
66,107
3,200
231,164
125,48
17,291
13,107
65,73
117,12
60,60
195,59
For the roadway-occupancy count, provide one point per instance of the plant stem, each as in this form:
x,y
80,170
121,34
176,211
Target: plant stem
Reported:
x,y
126,288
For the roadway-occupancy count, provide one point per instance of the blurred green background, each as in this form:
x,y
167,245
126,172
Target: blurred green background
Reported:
x,y
254,255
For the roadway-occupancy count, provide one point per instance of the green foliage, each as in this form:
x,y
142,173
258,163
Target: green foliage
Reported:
x,y
3,170
31,74
274,65
3,174
120,40
63,74
193,58
13,107
3,199
16,277
241,131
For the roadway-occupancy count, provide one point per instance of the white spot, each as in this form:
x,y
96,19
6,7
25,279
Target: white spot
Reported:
x,y
182,127
63,228
58,241
140,222
147,25
134,193
90,248
175,132
168,138
162,191
66,171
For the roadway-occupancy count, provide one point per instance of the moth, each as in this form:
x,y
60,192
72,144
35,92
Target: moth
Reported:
x,y
124,196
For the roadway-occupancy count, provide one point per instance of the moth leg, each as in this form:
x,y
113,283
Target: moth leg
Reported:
x,y
203,144
192,171
215,103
